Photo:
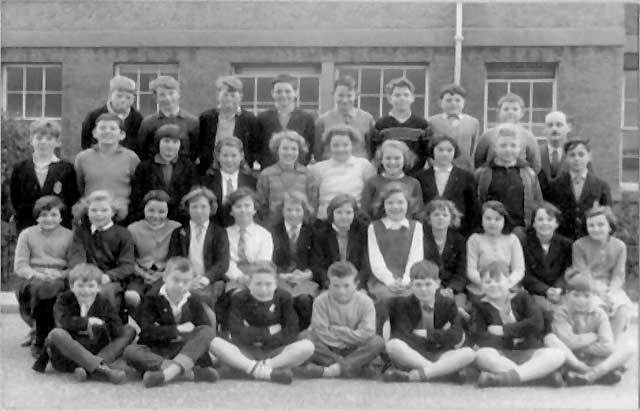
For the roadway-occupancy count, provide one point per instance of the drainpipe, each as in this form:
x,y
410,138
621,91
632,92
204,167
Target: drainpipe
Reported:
x,y
458,44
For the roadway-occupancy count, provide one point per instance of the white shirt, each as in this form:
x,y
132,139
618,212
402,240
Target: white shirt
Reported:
x,y
42,168
552,150
258,246
442,177
176,309
196,247
288,227
395,225
94,228
225,179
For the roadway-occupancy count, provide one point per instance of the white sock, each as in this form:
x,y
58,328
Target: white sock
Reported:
x,y
262,372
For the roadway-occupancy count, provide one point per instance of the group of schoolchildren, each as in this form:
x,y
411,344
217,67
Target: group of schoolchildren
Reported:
x,y
277,246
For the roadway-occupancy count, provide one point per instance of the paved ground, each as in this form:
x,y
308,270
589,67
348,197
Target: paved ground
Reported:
x,y
21,388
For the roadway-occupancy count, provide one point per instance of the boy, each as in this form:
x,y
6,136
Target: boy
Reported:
x,y
426,334
343,328
510,328
453,122
167,171
578,190
107,165
263,327
41,259
229,119
552,157
402,124
97,240
508,179
284,116
122,93
511,109
584,328
89,335
175,331
166,91
43,174
345,94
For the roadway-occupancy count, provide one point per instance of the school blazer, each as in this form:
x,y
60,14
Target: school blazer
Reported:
x,y
131,126
215,249
545,178
284,257
572,222
460,189
246,129
405,315
158,327
213,181
25,190
300,121
544,271
148,176
452,262
325,251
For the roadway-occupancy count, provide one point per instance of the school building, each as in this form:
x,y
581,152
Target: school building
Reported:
x,y
581,58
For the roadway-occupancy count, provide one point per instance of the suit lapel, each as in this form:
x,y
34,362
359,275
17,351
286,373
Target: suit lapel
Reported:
x,y
430,178
332,238
586,188
544,159
451,182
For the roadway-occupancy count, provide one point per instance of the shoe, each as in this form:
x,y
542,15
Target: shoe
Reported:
x,y
394,375
40,365
281,375
368,372
309,371
36,350
80,374
205,374
468,374
574,379
555,380
610,378
153,379
112,375
28,340
487,379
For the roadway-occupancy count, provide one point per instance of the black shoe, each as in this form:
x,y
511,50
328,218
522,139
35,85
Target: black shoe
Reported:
x,y
575,380
112,375
153,379
40,365
555,380
610,378
205,374
281,375
487,379
36,350
368,372
394,375
309,371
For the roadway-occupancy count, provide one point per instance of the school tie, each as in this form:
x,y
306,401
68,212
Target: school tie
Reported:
x,y
229,187
242,246
199,231
454,119
293,237
555,162
578,185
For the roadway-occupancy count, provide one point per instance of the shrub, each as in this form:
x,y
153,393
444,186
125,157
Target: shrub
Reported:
x,y
627,213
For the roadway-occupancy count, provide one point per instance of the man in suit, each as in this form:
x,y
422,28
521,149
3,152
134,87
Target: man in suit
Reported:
x,y
552,156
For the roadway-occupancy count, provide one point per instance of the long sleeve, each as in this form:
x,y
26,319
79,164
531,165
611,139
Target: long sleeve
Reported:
x,y
564,330
517,260
288,322
365,330
77,251
579,256
473,251
64,314
241,332
318,146
532,323
126,258
482,150
265,248
376,260
79,173
533,152
86,135
366,201
22,257
263,193
220,253
151,330
533,284
604,346
320,322
618,271
416,253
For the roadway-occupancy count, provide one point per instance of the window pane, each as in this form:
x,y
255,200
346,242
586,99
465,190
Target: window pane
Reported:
x,y
630,84
54,78
386,108
538,130
311,108
53,105
542,95
353,72
370,104
630,143
492,115
34,105
390,74
631,113
131,74
264,89
418,106
521,89
370,81
494,92
630,170
309,89
147,104
538,116
14,105
14,79
247,88
417,77
34,78
145,79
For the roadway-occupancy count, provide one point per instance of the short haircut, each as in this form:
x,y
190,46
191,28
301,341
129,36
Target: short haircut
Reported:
x,y
578,280
342,130
232,83
47,203
453,88
276,140
389,190
507,130
122,83
423,270
342,269
549,208
511,98
399,82
167,82
605,211
346,81
45,126
439,138
408,156
232,141
297,197
110,117
200,192
85,272
443,204
572,144
261,267
118,205
172,131
100,195
181,264
339,201
285,78
499,208
495,269
156,195
241,193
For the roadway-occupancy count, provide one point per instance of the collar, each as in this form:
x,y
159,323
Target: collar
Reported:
x,y
427,307
236,114
574,175
232,176
160,160
404,120
297,168
152,228
47,233
286,112
498,162
339,231
509,298
552,149
452,116
52,159
351,161
193,225
394,225
446,170
250,228
351,114
177,113
122,116
105,228
117,150
288,227
385,175
183,300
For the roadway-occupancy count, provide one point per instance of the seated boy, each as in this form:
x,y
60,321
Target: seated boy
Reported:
x,y
426,333
510,329
263,328
41,259
585,329
89,334
343,328
175,331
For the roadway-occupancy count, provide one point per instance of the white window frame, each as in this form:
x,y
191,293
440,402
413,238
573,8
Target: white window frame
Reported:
x,y
626,186
43,92
382,93
146,68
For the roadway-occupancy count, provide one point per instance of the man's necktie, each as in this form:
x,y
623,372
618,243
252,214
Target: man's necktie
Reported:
x,y
229,187
555,162
242,246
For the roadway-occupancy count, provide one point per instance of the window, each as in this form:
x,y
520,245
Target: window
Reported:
x,y
142,74
534,82
372,79
256,83
32,90
630,133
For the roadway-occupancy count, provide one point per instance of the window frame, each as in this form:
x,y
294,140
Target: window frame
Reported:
x,y
627,186
24,92
146,68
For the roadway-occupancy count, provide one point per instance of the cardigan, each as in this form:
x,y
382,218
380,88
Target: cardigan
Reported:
x,y
187,121
213,181
544,270
453,260
572,328
374,187
300,121
418,141
529,151
131,126
286,259
482,250
606,262
465,131
37,249
151,244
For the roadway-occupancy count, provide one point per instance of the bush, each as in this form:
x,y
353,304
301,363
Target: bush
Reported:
x,y
627,213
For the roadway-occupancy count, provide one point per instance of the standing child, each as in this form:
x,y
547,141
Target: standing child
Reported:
x,y
263,327
41,259
343,329
426,335
578,190
89,334
175,331
605,257
43,174
394,158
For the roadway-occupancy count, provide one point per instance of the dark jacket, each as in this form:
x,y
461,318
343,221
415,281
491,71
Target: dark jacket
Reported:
x,y
213,181
544,271
284,257
415,131
453,260
131,126
151,123
300,121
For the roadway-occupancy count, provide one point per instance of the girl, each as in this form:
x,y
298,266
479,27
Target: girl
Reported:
x,y
605,257
286,174
395,158
495,243
394,244
448,181
342,173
